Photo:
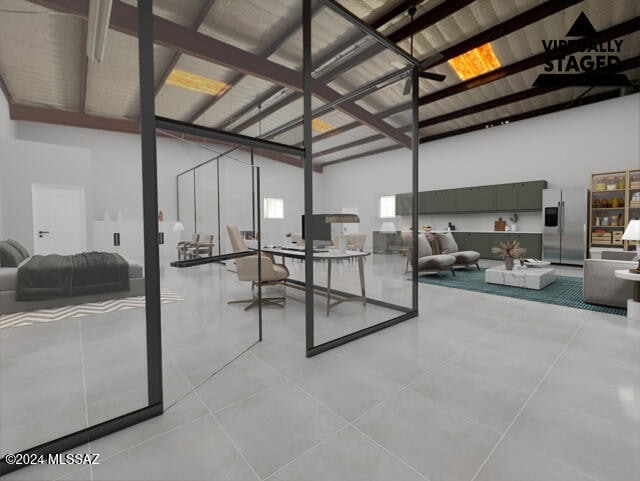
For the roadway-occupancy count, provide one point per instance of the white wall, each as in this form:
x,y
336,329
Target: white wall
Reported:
x,y
7,131
23,163
563,148
115,183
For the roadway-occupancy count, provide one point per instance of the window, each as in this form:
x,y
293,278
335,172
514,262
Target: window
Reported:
x,y
387,206
273,208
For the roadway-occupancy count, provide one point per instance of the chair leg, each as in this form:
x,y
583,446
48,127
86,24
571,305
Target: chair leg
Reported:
x,y
477,266
453,272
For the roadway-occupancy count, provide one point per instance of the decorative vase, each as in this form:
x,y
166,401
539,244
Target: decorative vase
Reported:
x,y
508,263
514,227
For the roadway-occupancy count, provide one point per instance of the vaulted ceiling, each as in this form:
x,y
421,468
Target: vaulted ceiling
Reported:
x,y
254,47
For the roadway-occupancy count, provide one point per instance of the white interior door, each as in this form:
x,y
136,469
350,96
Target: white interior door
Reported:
x,y
59,219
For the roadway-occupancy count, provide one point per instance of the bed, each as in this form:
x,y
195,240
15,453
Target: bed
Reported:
x,y
14,297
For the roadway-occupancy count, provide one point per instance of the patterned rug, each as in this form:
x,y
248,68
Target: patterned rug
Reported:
x,y
81,310
564,291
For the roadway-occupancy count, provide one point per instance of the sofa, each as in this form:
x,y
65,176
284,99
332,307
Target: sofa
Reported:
x,y
601,286
430,263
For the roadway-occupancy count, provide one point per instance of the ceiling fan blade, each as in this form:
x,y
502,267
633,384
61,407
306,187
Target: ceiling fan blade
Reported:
x,y
433,76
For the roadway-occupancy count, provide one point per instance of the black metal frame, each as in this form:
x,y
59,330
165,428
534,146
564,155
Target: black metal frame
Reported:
x,y
151,258
308,114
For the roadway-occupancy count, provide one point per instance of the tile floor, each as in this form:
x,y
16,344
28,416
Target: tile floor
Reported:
x,y
478,388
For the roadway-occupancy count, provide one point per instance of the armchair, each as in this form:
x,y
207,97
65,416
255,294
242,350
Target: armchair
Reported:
x,y
247,269
204,247
183,246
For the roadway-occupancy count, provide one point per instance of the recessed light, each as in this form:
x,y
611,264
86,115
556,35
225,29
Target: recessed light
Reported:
x,y
475,62
198,83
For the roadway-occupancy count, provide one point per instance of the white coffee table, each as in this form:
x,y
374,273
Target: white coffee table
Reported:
x,y
633,305
526,277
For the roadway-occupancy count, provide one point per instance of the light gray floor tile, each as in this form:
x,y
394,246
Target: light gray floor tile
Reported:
x,y
347,388
586,362
42,429
591,446
617,404
437,442
348,455
80,475
244,377
199,450
532,350
511,461
397,363
499,363
47,472
185,411
492,404
289,358
274,427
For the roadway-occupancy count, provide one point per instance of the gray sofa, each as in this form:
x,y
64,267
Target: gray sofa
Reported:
x,y
601,286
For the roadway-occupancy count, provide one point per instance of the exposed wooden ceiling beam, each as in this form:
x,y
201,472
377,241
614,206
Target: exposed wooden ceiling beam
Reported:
x,y
266,53
185,40
348,145
628,64
429,18
364,154
617,31
525,115
393,13
88,121
195,25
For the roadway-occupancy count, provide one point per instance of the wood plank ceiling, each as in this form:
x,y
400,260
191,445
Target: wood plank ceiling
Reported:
x,y
254,46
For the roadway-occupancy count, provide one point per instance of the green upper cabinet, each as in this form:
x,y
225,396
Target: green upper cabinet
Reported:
x,y
403,204
530,195
506,197
516,197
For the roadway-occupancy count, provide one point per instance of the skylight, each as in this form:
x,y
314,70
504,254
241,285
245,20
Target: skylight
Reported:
x,y
198,83
475,62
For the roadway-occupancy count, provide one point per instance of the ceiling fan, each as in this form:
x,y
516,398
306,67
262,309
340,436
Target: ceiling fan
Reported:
x,y
428,75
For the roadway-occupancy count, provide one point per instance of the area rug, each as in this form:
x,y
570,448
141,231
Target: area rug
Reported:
x,y
81,310
564,291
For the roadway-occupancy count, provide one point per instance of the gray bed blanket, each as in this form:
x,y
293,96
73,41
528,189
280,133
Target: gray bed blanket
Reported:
x,y
45,277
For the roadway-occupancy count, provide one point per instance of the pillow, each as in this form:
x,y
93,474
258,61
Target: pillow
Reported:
x,y
447,243
24,252
9,255
424,248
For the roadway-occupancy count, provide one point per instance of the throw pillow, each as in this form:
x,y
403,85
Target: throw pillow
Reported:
x,y
24,252
9,255
447,243
424,249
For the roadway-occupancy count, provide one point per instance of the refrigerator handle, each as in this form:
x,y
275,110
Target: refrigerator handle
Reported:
x,y
560,217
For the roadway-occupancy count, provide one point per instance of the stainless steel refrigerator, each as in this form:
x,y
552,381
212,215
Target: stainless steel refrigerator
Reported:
x,y
564,217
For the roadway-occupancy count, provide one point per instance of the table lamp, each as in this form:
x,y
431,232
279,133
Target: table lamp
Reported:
x,y
632,233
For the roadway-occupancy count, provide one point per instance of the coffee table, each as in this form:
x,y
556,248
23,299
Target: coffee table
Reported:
x,y
526,277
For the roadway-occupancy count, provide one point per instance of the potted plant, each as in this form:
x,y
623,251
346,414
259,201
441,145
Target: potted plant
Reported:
x,y
514,222
509,251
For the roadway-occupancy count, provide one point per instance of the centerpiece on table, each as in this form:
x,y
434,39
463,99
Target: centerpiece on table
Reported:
x,y
509,251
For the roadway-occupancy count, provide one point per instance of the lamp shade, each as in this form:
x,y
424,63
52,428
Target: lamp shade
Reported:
x,y
632,232
178,226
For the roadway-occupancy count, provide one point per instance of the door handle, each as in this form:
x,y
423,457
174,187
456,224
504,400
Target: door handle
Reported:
x,y
42,232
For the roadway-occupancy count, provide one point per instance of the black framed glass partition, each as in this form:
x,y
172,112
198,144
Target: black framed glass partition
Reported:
x,y
362,277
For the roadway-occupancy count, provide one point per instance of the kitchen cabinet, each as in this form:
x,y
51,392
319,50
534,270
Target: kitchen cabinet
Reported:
x,y
530,195
386,242
516,197
403,204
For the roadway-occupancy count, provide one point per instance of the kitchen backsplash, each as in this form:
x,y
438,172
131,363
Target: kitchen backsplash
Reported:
x,y
527,222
